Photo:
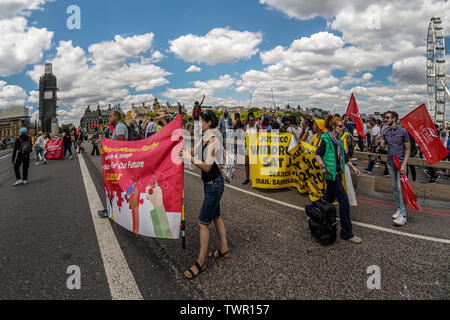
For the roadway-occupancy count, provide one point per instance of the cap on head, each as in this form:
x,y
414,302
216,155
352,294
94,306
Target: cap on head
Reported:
x,y
23,131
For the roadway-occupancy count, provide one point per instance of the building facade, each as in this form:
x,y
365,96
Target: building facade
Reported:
x,y
48,98
14,119
96,117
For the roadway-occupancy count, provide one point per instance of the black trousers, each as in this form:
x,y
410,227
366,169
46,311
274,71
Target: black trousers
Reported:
x,y
24,161
95,150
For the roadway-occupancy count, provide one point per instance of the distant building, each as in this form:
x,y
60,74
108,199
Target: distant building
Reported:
x,y
48,98
12,120
96,117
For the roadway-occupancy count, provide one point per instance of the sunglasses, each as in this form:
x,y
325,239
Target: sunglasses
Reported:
x,y
340,126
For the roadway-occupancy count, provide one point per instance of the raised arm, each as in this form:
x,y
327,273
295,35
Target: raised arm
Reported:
x,y
203,100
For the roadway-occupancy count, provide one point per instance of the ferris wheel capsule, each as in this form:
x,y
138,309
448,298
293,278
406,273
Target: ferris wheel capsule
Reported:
x,y
436,78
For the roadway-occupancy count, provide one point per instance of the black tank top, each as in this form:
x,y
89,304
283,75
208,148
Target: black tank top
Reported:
x,y
214,173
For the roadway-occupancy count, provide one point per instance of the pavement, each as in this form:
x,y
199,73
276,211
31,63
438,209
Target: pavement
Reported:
x,y
47,226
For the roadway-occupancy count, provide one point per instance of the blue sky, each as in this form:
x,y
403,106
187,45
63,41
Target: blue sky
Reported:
x,y
310,54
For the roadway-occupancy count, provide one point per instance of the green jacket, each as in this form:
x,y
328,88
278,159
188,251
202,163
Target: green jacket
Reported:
x,y
329,158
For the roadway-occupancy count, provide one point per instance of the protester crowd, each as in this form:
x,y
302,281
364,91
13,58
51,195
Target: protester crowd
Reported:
x,y
334,137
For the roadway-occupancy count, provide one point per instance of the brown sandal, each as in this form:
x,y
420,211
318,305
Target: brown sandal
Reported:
x,y
192,273
221,255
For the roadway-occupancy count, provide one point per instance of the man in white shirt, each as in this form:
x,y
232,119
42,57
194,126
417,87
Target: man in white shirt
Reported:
x,y
152,128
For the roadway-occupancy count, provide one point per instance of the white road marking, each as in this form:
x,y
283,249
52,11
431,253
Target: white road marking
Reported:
x,y
9,155
120,279
364,225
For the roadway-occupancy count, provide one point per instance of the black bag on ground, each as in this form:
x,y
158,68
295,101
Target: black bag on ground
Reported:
x,y
323,225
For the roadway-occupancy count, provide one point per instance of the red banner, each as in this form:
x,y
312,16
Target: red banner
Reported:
x,y
420,125
408,194
353,112
54,149
144,182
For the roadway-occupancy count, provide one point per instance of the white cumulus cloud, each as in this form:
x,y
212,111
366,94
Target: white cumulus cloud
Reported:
x,y
21,45
194,68
11,95
218,46
92,79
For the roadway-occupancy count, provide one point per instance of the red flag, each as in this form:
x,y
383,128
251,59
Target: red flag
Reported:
x,y
111,127
421,127
408,194
353,112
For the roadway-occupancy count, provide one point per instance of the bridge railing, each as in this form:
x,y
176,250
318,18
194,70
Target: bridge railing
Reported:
x,y
412,161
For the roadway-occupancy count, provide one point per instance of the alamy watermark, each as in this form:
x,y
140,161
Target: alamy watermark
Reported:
x,y
374,280
74,280
373,14
74,20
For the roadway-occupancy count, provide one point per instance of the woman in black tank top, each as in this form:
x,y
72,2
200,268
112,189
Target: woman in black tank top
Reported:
x,y
213,189
214,172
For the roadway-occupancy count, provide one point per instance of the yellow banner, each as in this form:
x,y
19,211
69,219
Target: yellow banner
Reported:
x,y
273,166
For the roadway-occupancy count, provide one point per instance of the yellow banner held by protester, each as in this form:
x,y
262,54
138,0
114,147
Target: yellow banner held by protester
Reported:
x,y
273,166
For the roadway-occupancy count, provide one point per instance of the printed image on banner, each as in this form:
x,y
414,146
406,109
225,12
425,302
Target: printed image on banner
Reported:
x,y
144,182
277,162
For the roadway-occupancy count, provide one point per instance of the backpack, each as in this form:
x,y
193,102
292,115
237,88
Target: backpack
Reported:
x,y
196,112
323,225
133,135
25,146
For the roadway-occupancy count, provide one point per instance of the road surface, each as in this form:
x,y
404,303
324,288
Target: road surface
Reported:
x,y
50,224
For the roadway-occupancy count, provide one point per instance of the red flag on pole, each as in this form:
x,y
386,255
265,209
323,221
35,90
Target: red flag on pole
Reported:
x,y
408,194
353,112
420,125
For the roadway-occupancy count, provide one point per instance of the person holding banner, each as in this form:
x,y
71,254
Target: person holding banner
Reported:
x,y
213,189
318,129
250,127
333,159
398,143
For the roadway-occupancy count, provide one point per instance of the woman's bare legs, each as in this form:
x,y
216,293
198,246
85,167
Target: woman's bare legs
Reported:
x,y
220,227
204,242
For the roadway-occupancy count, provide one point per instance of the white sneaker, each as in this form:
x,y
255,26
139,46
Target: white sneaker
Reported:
x,y
396,215
400,222
18,183
355,240
25,182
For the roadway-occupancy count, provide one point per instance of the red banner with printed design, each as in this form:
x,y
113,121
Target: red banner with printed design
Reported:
x,y
420,125
54,149
144,182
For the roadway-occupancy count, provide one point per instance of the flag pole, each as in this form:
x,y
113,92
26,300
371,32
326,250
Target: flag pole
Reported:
x,y
183,236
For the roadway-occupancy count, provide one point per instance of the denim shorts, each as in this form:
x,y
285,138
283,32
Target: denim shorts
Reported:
x,y
211,205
